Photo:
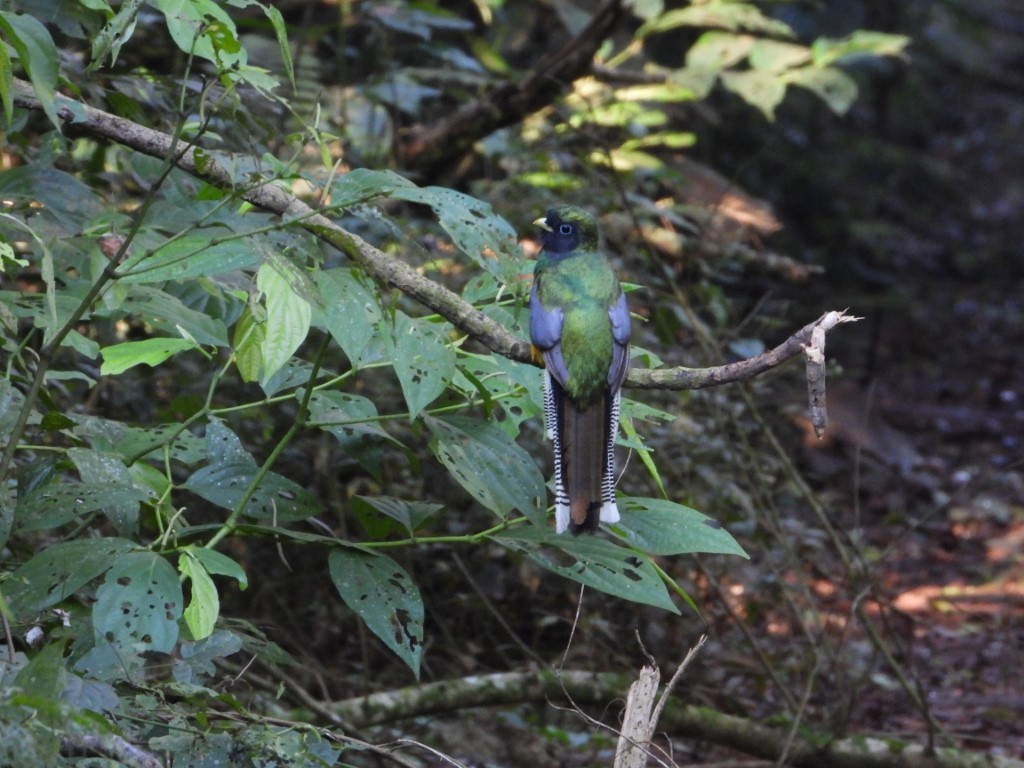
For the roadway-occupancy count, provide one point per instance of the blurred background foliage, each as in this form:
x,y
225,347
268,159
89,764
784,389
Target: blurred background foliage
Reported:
x,y
754,164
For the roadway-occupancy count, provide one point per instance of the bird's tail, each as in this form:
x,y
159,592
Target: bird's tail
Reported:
x,y
584,442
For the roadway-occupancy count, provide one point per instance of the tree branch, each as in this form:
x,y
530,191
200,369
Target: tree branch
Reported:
x,y
431,147
509,688
391,271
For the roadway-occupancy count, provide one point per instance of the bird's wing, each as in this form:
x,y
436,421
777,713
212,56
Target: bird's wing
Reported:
x,y
546,334
622,330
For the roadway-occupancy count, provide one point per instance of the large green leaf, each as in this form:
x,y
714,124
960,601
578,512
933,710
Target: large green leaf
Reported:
x,y
58,572
490,465
138,605
593,561
662,527
350,310
761,89
193,255
423,362
204,603
383,595
54,505
287,321
167,313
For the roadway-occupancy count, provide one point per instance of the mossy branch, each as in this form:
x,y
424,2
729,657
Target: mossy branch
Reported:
x,y
685,721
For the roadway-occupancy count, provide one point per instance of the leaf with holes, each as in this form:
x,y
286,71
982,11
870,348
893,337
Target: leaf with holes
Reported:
x,y
381,592
381,515
423,361
354,422
592,561
138,605
57,573
350,310
490,465
662,527
486,238
54,505
232,469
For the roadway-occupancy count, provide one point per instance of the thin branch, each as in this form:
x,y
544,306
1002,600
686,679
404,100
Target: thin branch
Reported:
x,y
391,271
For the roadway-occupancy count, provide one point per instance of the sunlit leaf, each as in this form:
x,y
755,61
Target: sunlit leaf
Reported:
x,y
833,86
288,319
121,357
204,603
764,90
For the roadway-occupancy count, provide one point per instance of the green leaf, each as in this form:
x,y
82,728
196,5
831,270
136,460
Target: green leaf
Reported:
x,y
863,42
778,56
45,674
486,238
203,28
120,357
204,606
720,14
409,514
250,332
168,313
38,55
231,470
662,527
833,86
764,90
197,659
7,97
54,505
490,465
354,422
219,564
57,573
138,605
105,470
350,309
115,33
288,319
193,255
383,595
592,561
423,362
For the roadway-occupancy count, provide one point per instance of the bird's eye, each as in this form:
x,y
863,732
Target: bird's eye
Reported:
x,y
565,229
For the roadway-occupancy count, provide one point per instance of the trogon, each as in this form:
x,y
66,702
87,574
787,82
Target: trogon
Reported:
x,y
580,327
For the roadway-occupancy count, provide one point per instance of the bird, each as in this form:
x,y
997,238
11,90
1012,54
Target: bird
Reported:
x,y
580,329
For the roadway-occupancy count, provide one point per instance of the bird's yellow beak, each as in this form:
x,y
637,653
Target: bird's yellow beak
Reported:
x,y
543,224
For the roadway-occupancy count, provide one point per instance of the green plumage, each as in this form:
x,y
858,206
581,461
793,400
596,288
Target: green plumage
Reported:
x,y
584,286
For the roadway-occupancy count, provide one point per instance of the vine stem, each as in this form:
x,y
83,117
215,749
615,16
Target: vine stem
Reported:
x,y
296,426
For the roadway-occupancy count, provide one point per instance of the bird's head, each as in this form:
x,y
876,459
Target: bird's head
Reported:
x,y
568,228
